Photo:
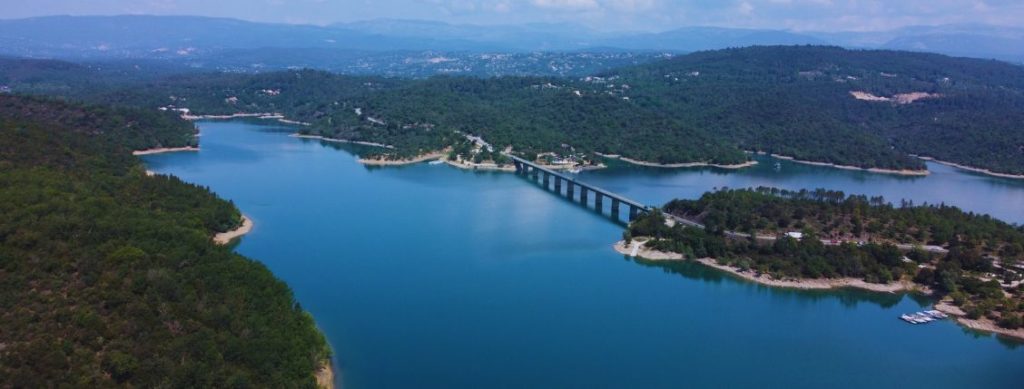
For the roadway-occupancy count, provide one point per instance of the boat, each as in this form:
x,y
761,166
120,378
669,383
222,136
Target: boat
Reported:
x,y
936,314
435,162
923,317
575,170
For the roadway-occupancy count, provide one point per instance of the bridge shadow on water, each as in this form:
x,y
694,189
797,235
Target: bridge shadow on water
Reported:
x,y
603,212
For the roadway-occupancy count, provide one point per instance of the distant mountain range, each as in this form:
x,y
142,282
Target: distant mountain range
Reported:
x,y
178,37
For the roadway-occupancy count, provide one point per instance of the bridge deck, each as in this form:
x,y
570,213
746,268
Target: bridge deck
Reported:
x,y
592,188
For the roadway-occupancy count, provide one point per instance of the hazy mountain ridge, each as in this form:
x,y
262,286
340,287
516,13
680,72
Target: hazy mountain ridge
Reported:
x,y
188,37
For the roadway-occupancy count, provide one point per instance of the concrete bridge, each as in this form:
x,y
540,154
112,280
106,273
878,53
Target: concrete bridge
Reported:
x,y
533,171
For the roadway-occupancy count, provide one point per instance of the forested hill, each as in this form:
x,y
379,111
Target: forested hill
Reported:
x,y
108,277
129,127
869,109
800,101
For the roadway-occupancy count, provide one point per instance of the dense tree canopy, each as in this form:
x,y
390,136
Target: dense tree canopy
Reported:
x,y
852,236
703,107
108,276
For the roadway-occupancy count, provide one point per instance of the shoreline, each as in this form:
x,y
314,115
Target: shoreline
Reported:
x,y
802,284
223,238
480,166
900,172
161,150
983,324
265,116
973,169
325,375
677,165
406,161
336,140
817,283
644,252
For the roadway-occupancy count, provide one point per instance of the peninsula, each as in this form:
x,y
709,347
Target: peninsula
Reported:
x,y
824,239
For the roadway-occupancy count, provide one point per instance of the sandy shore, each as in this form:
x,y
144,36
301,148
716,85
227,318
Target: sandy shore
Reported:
x,y
239,115
818,283
325,375
355,142
677,165
982,324
973,169
901,172
644,252
226,237
293,122
263,115
399,162
806,284
164,150
480,166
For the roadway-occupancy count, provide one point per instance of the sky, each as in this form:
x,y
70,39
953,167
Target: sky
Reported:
x,y
609,15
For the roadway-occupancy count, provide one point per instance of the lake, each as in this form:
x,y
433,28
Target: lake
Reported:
x,y
431,276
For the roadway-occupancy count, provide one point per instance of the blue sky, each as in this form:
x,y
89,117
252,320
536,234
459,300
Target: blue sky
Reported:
x,y
819,15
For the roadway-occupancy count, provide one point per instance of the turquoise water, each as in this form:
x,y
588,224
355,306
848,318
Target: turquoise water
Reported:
x,y
430,276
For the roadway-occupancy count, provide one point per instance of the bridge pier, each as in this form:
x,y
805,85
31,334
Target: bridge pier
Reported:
x,y
533,171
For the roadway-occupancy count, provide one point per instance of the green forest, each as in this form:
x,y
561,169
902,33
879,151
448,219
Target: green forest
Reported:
x,y
703,107
108,277
851,236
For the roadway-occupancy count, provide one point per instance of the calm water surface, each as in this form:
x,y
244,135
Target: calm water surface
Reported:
x,y
430,276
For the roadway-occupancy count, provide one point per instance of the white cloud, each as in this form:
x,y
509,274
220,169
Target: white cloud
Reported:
x,y
745,8
567,4
630,5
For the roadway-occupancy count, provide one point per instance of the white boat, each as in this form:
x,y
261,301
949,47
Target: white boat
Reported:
x,y
435,162
936,314
575,170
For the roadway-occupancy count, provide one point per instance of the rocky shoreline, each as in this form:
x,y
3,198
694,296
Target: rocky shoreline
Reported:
x,y
983,324
400,162
335,140
901,172
226,237
677,165
973,169
161,150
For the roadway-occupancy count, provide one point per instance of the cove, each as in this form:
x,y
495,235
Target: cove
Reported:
x,y
430,276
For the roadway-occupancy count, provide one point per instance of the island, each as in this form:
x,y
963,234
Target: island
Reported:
x,y
820,239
